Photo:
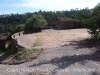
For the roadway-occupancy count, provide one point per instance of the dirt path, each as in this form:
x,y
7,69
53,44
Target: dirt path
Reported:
x,y
67,60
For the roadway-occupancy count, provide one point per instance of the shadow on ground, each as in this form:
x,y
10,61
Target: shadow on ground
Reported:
x,y
96,73
66,61
4,55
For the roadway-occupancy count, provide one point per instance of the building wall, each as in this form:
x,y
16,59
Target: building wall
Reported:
x,y
68,24
53,23
63,24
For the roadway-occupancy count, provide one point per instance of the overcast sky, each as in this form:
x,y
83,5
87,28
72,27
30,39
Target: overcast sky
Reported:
x,y
22,6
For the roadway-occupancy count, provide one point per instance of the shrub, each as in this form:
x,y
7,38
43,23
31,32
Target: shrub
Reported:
x,y
19,28
23,53
35,23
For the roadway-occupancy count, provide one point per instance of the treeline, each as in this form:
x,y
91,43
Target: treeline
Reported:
x,y
9,21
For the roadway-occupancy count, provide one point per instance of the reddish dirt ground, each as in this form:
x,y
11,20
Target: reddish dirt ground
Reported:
x,y
52,37
66,60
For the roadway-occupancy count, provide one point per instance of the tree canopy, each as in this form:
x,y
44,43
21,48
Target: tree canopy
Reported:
x,y
9,21
92,21
35,22
19,28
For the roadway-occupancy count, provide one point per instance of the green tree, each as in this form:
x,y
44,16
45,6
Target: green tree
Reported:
x,y
92,21
35,23
19,27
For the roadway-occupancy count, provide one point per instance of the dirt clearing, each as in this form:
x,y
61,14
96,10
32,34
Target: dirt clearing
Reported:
x,y
52,37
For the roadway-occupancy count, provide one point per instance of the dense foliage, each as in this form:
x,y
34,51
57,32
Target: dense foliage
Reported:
x,y
35,22
92,21
19,27
9,21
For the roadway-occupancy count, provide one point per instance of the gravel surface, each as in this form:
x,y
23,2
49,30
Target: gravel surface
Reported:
x,y
55,38
67,59
52,38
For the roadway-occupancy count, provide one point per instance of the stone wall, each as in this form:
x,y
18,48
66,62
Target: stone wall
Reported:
x,y
14,41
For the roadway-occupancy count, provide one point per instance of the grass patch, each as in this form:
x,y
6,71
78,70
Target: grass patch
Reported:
x,y
25,53
38,42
